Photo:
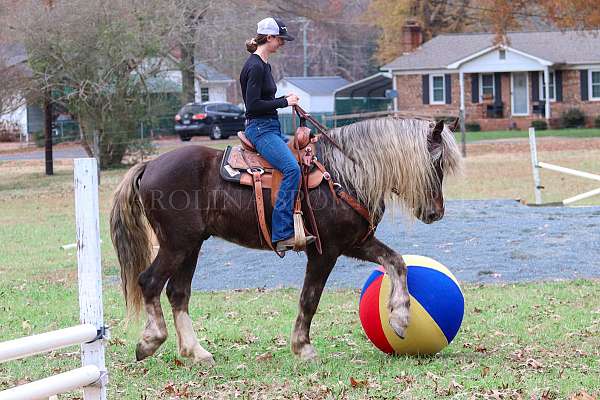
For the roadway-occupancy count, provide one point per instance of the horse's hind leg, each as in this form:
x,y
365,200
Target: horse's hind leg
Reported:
x,y
375,251
318,269
178,291
152,281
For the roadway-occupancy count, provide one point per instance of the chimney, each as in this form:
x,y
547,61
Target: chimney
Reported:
x,y
412,36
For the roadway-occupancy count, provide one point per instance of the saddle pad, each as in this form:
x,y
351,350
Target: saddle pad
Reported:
x,y
239,158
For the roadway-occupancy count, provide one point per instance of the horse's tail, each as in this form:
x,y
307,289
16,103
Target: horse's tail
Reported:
x,y
129,231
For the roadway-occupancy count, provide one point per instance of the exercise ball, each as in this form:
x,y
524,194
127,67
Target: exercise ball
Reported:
x,y
436,308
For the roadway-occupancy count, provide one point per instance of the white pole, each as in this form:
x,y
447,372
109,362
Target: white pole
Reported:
x,y
56,384
395,88
537,188
547,88
30,345
89,268
461,113
569,171
581,196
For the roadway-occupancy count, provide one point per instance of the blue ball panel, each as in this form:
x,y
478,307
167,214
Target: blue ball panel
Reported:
x,y
376,274
440,296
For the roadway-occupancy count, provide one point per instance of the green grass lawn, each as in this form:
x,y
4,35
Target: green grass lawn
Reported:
x,y
536,340
493,135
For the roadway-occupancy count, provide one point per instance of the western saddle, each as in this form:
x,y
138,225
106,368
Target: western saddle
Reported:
x,y
242,164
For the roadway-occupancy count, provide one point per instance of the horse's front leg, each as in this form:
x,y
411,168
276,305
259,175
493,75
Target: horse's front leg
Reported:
x,y
318,269
375,251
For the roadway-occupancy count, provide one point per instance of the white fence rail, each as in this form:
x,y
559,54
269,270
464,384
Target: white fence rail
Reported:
x,y
92,377
537,165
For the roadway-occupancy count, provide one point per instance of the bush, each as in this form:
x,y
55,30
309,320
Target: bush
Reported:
x,y
539,124
597,122
573,118
472,127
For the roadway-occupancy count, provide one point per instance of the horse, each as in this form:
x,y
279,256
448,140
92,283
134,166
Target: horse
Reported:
x,y
181,197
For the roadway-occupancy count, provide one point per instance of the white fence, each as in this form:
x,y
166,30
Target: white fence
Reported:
x,y
536,165
92,376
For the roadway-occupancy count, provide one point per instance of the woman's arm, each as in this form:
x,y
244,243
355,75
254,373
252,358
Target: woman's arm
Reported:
x,y
254,104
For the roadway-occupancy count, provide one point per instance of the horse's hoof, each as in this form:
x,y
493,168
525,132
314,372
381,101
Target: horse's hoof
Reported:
x,y
398,327
308,353
140,353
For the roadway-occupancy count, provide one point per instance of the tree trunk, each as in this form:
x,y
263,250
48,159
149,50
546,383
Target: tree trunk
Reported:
x,y
188,90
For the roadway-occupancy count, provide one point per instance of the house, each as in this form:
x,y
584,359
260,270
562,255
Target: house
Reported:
x,y
499,85
15,110
212,85
315,92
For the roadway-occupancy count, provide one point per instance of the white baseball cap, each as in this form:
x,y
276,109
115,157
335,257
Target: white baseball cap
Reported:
x,y
275,27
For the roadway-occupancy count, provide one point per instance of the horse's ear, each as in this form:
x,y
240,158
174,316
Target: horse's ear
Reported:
x,y
436,134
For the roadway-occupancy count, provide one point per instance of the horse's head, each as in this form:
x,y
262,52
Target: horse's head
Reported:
x,y
433,208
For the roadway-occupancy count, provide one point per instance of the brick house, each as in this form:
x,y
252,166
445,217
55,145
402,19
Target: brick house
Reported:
x,y
499,86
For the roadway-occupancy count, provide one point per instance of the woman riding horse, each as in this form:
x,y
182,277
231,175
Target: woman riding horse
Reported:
x,y
263,128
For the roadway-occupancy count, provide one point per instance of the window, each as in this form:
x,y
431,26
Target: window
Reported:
x,y
502,54
437,89
594,85
486,85
543,86
204,94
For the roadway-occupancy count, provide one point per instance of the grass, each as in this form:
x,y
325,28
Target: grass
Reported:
x,y
494,135
537,340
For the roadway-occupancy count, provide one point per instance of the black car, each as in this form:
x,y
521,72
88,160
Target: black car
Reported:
x,y
219,120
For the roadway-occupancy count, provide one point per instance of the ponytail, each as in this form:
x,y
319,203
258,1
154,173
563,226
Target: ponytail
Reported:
x,y
252,44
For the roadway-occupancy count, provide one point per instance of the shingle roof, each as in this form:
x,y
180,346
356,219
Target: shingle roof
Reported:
x,y
570,47
210,74
317,85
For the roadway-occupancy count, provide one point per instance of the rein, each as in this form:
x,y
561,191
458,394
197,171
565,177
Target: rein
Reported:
x,y
304,116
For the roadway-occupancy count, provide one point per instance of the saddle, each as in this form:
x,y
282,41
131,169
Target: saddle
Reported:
x,y
242,164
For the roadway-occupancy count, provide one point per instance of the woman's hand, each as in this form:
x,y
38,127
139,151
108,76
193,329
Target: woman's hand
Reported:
x,y
292,99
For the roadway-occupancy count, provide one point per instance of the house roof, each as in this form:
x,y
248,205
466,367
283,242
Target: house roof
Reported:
x,y
371,86
317,85
569,47
210,74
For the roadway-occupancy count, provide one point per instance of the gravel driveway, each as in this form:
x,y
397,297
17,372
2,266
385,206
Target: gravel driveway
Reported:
x,y
479,241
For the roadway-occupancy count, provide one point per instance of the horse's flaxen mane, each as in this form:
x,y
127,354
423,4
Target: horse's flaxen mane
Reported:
x,y
390,153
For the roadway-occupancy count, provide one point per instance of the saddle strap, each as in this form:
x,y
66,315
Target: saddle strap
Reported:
x,y
360,209
260,211
327,177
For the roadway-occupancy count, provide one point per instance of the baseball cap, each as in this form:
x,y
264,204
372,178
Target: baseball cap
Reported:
x,y
275,27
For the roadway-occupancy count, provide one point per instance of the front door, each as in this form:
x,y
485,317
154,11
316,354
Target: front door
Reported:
x,y
520,94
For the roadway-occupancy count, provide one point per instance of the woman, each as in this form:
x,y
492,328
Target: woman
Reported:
x,y
263,128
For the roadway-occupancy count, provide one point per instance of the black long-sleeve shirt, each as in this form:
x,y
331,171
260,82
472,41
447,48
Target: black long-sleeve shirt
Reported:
x,y
258,89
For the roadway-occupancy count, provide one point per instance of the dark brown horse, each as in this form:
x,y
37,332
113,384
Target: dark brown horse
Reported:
x,y
182,198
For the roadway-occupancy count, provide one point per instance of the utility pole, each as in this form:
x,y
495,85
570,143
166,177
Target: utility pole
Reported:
x,y
305,45
48,132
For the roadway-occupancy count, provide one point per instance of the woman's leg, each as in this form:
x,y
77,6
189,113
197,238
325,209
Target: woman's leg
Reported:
x,y
269,143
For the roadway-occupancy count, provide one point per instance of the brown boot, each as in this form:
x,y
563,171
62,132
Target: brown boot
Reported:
x,y
288,244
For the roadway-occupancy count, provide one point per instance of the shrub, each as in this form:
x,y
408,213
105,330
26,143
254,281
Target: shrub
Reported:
x,y
472,127
539,124
597,122
573,118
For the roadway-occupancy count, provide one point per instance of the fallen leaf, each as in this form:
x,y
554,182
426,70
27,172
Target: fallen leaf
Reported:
x,y
481,348
533,363
178,363
582,395
264,356
357,384
485,371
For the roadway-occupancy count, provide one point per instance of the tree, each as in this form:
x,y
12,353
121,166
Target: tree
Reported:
x,y
94,57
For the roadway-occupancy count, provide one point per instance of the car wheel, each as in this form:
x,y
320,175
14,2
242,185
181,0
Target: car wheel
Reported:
x,y
216,133
185,138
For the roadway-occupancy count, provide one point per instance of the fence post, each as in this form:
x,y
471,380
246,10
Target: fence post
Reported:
x,y
535,167
89,269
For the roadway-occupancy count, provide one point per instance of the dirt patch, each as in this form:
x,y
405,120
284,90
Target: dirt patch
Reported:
x,y
521,145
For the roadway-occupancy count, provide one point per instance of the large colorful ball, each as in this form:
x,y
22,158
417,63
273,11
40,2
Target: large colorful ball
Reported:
x,y
437,307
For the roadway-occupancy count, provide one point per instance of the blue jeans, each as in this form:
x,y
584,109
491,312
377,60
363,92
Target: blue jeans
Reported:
x,y
265,135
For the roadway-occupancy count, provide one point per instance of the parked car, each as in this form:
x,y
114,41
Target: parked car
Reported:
x,y
218,120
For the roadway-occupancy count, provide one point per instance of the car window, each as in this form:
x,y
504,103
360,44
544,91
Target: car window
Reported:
x,y
212,108
234,109
193,109
222,108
